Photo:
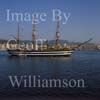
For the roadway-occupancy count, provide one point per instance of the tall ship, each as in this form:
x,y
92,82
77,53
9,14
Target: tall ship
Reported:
x,y
38,47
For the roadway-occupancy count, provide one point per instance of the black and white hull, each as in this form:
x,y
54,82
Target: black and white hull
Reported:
x,y
39,53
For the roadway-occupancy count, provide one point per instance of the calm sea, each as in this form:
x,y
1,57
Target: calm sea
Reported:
x,y
81,65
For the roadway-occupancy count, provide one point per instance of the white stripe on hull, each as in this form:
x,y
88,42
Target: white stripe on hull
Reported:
x,y
53,53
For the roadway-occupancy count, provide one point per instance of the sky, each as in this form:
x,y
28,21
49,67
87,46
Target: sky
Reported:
x,y
83,23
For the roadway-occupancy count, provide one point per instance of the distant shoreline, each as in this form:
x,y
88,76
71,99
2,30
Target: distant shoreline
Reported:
x,y
89,46
2,49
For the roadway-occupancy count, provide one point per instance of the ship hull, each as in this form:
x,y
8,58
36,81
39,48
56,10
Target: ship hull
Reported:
x,y
39,53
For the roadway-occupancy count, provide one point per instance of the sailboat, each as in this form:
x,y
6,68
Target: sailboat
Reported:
x,y
35,49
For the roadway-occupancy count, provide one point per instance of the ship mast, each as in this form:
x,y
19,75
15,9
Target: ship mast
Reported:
x,y
57,33
34,32
18,36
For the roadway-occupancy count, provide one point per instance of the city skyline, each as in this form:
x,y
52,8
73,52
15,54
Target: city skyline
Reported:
x,y
82,24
